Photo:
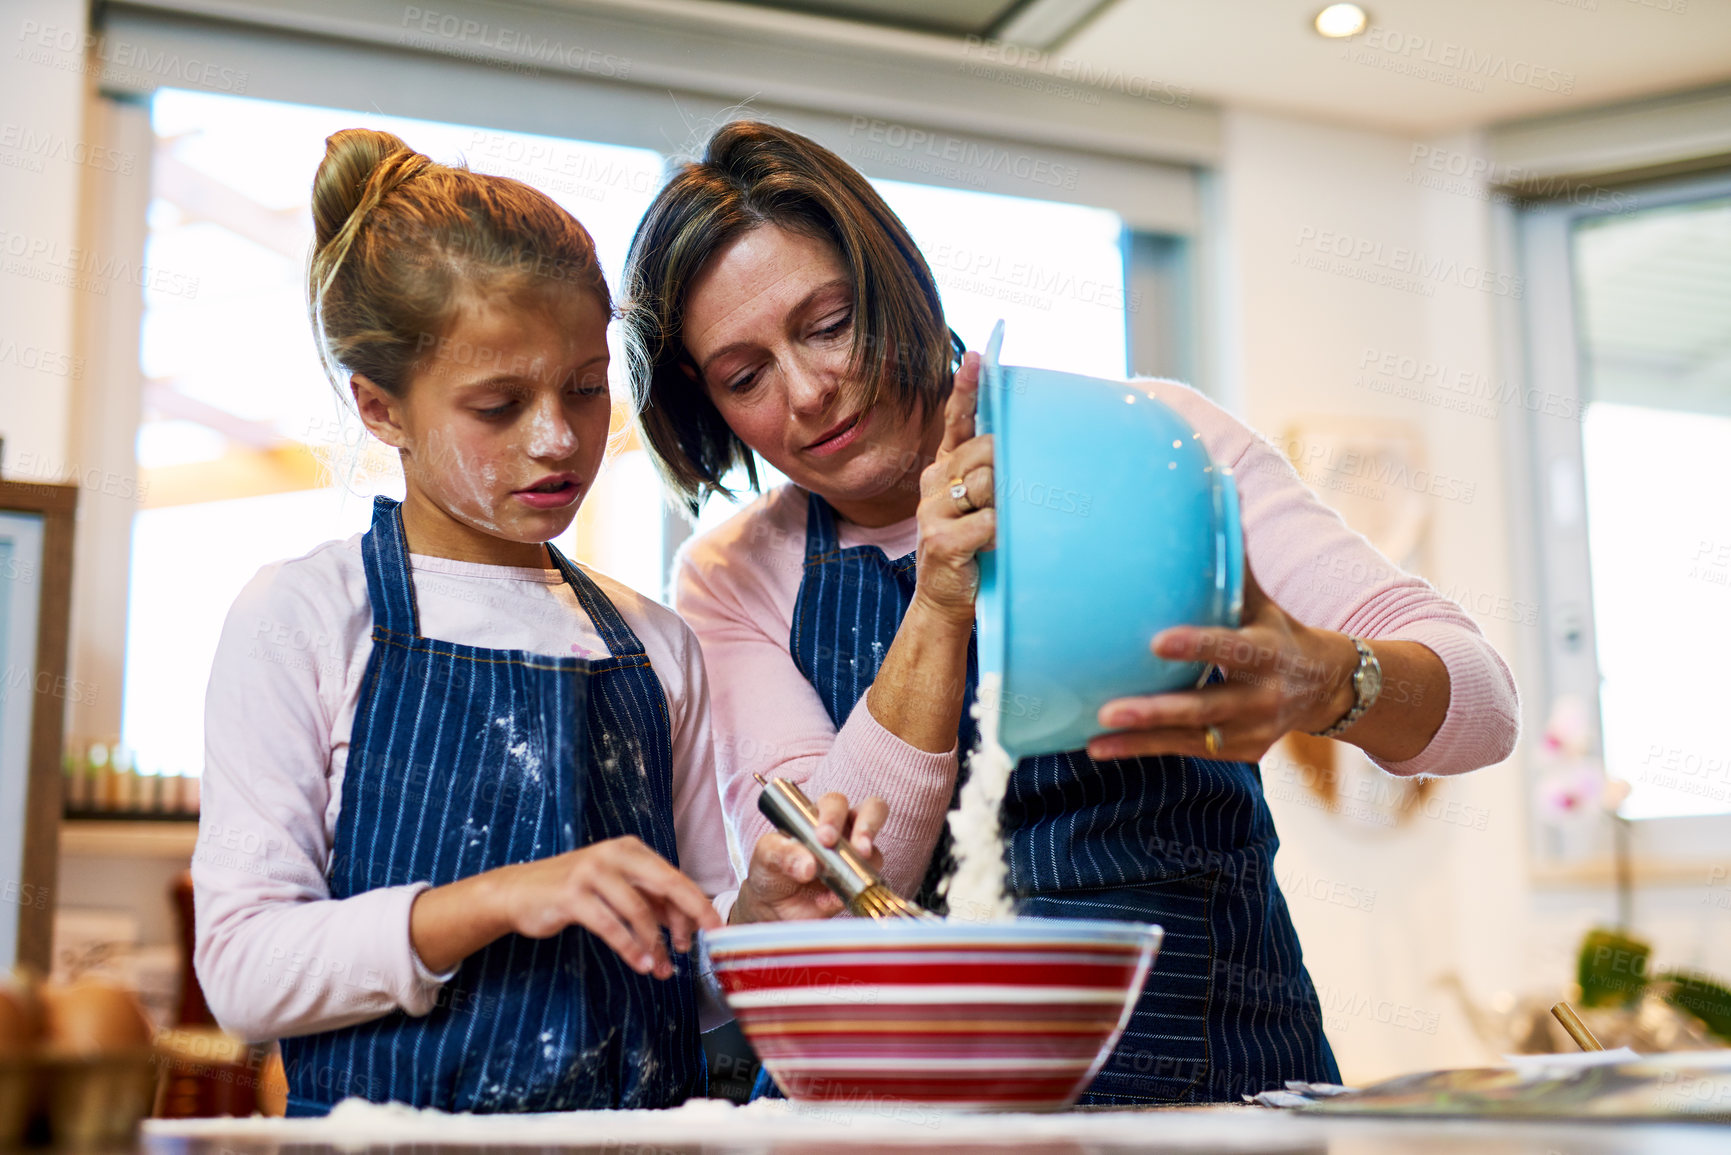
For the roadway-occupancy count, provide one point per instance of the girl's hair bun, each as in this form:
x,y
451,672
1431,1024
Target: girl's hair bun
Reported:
x,y
399,241
352,156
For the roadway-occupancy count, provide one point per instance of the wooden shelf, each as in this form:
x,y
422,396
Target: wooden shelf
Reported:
x,y
1602,871
109,838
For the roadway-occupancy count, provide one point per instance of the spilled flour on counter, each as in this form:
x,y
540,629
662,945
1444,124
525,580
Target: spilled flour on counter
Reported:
x,y
712,1124
975,890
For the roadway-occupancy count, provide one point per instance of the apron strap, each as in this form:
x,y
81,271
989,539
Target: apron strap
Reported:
x,y
820,535
622,641
385,552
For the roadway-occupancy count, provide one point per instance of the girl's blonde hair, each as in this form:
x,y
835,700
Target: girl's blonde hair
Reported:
x,y
399,240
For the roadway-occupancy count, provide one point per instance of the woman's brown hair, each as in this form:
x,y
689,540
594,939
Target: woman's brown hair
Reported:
x,y
399,240
753,174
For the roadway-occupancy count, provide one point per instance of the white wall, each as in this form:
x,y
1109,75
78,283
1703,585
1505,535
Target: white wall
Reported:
x,y
1448,897
39,227
1290,187
41,115
67,158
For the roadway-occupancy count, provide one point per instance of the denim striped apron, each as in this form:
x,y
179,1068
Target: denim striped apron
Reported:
x,y
1184,842
466,759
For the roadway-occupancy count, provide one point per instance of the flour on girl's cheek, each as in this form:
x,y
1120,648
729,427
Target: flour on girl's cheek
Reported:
x,y
470,481
975,889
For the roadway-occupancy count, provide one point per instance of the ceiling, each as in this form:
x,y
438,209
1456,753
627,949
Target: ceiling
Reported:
x,y
1423,66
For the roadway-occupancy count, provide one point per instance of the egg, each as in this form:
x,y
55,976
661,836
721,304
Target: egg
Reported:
x,y
20,1019
93,1018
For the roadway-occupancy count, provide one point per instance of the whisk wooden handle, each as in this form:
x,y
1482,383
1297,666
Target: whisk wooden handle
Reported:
x,y
1584,1039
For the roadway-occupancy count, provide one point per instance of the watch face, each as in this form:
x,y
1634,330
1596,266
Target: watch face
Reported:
x,y
1369,679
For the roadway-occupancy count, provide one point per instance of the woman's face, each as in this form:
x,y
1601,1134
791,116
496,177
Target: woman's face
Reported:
x,y
504,426
769,325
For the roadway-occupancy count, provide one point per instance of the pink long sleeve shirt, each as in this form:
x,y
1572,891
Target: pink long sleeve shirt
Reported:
x,y
737,585
276,955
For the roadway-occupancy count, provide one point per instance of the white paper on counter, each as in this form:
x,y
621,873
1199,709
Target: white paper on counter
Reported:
x,y
1539,1066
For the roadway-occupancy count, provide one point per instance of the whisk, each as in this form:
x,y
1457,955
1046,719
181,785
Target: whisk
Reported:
x,y
859,886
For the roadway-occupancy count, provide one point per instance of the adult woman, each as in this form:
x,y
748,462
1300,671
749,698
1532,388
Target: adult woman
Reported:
x,y
776,305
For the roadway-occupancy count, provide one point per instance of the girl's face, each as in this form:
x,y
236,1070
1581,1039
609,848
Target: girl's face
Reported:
x,y
502,429
769,323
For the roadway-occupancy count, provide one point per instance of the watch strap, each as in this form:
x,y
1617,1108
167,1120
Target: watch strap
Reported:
x,y
1360,700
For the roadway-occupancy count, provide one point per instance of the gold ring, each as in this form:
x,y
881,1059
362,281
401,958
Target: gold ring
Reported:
x,y
1211,740
959,495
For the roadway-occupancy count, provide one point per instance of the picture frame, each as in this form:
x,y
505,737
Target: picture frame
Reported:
x,y
36,533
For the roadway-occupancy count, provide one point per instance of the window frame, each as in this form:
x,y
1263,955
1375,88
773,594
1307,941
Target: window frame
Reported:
x,y
1543,341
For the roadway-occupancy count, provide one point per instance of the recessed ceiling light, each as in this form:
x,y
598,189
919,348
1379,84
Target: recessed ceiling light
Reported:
x,y
1339,21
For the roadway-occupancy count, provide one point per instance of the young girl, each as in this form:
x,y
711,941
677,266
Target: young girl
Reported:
x,y
450,777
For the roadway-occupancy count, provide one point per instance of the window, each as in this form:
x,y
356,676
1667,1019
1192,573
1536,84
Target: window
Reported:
x,y
1052,272
246,454
1629,326
1654,293
248,457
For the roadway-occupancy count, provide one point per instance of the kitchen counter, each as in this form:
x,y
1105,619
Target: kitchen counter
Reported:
x,y
716,1128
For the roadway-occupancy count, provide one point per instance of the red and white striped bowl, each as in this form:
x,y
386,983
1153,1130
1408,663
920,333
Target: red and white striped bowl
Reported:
x,y
1009,1016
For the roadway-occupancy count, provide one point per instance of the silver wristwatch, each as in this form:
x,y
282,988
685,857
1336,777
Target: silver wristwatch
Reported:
x,y
1366,685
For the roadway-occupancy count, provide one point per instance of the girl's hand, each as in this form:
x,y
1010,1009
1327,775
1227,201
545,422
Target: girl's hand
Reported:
x,y
782,883
1281,675
619,889
950,533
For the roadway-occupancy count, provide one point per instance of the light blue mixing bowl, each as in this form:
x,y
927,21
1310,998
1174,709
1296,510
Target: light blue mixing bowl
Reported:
x,y
1113,524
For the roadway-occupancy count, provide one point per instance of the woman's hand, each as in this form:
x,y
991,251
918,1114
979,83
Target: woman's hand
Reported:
x,y
1281,675
782,883
919,691
952,529
619,889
